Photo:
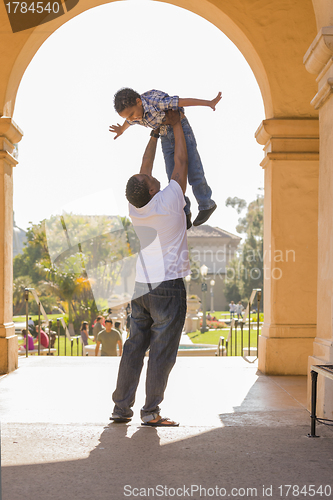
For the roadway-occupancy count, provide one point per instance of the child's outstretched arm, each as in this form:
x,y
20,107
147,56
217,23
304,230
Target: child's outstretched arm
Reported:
x,y
119,129
200,102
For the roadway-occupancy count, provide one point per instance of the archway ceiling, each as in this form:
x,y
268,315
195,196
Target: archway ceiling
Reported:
x,y
273,36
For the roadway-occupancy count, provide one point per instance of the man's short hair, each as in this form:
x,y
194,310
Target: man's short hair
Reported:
x,y
108,321
99,318
117,324
125,98
137,192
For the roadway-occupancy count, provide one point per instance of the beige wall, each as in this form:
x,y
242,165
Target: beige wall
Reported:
x,y
318,61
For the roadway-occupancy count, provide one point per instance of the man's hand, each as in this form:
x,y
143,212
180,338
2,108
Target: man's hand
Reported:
x,y
116,129
171,117
217,99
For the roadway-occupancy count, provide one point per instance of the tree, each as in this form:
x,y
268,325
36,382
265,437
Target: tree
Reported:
x,y
77,260
246,270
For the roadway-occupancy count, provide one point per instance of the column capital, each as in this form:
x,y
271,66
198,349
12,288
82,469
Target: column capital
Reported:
x,y
10,130
318,60
289,139
320,51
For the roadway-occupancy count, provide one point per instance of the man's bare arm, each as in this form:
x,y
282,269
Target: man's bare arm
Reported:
x,y
97,348
179,173
120,346
149,156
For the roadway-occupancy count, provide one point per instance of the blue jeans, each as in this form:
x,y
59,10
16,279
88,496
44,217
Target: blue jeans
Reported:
x,y
157,321
196,175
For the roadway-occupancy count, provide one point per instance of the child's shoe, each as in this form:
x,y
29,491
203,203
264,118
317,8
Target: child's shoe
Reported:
x,y
204,215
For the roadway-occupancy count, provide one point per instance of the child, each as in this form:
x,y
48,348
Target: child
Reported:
x,y
149,109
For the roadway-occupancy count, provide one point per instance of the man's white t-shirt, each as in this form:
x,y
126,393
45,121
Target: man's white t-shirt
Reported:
x,y
161,228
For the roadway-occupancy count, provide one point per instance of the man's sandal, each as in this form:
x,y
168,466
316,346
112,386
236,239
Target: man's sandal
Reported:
x,y
162,422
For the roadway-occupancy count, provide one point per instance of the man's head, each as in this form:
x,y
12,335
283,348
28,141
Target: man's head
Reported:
x,y
108,325
141,188
117,324
128,104
99,319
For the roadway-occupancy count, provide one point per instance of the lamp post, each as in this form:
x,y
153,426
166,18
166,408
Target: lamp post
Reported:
x,y
26,296
203,272
188,281
212,283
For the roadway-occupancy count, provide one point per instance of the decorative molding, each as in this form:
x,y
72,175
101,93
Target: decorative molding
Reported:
x,y
323,94
10,130
8,158
320,51
286,139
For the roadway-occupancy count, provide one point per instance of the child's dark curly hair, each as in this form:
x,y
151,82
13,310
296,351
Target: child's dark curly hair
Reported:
x,y
125,98
137,192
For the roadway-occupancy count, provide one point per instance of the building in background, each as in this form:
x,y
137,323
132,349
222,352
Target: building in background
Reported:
x,y
214,248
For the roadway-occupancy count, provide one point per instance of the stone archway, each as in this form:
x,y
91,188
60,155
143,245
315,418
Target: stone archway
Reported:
x,y
273,36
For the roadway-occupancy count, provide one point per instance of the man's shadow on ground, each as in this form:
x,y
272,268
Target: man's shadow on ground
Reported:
x,y
131,456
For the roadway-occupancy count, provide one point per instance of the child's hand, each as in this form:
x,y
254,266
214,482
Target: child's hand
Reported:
x,y
116,129
215,101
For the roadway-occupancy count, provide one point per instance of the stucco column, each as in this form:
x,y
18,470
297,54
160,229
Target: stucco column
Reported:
x,y
318,61
290,244
9,135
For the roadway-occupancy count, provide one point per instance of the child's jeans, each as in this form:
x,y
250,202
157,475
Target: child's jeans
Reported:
x,y
196,175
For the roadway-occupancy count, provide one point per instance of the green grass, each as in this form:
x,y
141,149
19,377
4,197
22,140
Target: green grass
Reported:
x,y
34,317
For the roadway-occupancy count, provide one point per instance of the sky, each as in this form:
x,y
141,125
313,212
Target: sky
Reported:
x,y
68,159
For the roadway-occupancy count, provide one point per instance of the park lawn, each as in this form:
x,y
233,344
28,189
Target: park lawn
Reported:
x,y
34,317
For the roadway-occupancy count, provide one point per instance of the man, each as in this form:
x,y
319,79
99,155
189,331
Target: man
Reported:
x,y
98,326
232,309
109,338
117,327
159,300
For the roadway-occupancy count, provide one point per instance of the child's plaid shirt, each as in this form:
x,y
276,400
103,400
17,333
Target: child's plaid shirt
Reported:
x,y
155,103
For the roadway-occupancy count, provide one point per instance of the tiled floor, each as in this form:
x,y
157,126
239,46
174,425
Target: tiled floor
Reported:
x,y
239,429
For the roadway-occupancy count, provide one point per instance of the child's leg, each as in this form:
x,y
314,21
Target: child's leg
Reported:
x,y
168,148
196,175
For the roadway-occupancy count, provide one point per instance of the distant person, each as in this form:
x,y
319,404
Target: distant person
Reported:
x,y
84,332
239,310
149,109
117,326
110,339
232,309
31,345
44,339
98,326
52,336
31,325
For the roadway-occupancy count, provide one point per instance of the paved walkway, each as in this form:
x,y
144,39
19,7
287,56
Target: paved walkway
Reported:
x,y
242,434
